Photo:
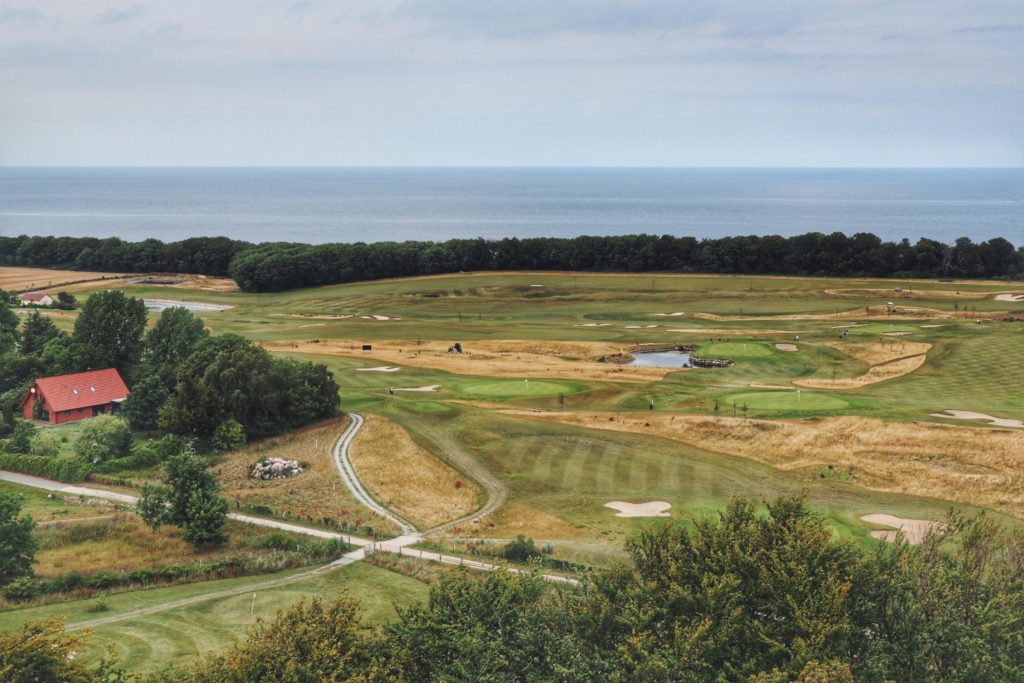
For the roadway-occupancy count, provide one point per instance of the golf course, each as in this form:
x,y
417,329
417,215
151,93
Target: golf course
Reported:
x,y
510,405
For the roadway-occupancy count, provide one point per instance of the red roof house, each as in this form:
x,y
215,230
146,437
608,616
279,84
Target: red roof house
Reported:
x,y
67,398
36,299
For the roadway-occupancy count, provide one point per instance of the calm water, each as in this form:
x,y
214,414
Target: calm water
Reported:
x,y
352,204
662,359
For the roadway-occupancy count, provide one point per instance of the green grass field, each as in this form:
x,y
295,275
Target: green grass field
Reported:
x,y
557,476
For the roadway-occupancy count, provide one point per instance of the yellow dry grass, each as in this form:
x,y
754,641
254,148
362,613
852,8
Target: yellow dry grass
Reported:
x,y
407,479
865,313
22,279
201,282
962,464
509,358
512,520
317,492
888,360
890,295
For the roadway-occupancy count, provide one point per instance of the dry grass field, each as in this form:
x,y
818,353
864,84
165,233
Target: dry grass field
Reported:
x,y
316,493
14,279
408,479
493,358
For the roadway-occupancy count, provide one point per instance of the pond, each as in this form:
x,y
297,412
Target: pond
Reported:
x,y
662,359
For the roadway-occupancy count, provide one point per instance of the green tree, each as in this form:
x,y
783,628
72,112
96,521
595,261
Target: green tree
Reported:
x,y
43,652
21,438
171,341
8,327
66,301
112,323
37,330
104,437
194,409
142,407
205,516
188,499
65,355
17,545
229,435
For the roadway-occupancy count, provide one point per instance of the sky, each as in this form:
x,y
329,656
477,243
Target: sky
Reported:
x,y
512,83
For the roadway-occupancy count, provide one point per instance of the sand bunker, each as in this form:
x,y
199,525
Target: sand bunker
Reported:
x,y
1009,297
762,385
896,334
194,306
787,347
378,317
315,316
314,325
888,360
432,387
913,530
670,315
639,327
655,508
969,415
593,325
380,368
932,325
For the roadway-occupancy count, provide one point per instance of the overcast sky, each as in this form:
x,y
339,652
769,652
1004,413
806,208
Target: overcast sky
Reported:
x,y
533,82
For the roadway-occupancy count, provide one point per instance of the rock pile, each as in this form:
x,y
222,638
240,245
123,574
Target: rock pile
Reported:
x,y
275,468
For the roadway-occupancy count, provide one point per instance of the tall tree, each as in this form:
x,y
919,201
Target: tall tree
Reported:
x,y
8,327
142,408
113,324
171,341
37,330
17,546
187,499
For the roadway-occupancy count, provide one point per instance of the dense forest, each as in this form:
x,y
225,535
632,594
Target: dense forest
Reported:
x,y
751,596
273,267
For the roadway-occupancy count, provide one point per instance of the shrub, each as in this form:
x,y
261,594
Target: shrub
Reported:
x,y
22,588
68,469
521,549
21,437
103,438
45,443
228,436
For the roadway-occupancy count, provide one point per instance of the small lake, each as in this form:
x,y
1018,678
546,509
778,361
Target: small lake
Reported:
x,y
662,359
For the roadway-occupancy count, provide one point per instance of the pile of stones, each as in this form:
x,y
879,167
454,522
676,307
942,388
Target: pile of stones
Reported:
x,y
275,468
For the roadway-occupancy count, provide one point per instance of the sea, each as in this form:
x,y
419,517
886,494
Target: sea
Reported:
x,y
315,205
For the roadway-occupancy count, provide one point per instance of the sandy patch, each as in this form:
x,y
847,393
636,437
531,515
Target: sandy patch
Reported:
x,y
892,295
670,315
14,279
313,325
896,334
494,358
378,317
913,530
194,306
655,508
951,462
408,479
379,368
762,385
888,360
787,347
593,325
969,415
1009,297
926,326
431,387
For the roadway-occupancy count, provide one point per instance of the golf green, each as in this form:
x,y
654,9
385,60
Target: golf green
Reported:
x,y
787,401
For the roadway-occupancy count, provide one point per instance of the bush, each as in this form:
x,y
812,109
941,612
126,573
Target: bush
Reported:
x,y
103,438
46,444
228,436
521,549
22,588
21,437
68,469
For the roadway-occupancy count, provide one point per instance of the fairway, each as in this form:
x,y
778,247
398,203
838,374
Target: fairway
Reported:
x,y
502,389
786,401
736,350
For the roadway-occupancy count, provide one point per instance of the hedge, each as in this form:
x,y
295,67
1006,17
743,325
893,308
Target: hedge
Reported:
x,y
67,469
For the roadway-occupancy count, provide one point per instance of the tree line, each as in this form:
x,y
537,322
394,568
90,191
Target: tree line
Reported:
x,y
270,267
751,596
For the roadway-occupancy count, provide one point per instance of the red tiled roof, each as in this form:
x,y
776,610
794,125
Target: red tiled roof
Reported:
x,y
83,389
33,296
